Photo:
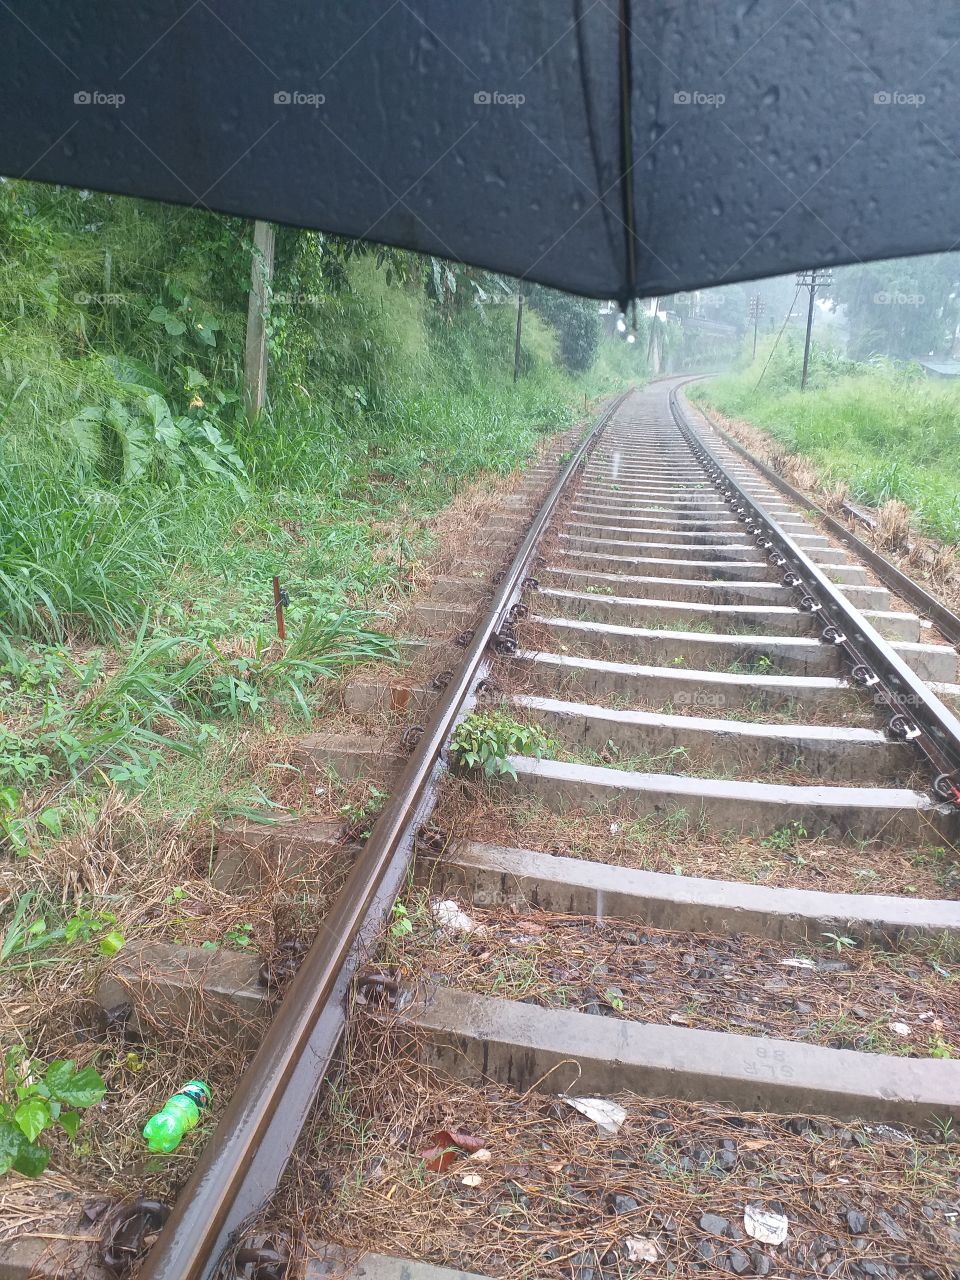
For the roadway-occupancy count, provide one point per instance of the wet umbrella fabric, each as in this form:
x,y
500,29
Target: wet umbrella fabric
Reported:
x,y
607,147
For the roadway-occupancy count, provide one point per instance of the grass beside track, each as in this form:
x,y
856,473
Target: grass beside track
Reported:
x,y
887,433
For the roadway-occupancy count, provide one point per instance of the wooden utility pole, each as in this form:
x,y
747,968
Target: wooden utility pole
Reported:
x,y
812,280
255,355
516,347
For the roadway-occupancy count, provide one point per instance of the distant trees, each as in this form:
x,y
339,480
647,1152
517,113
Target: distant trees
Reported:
x,y
903,307
577,322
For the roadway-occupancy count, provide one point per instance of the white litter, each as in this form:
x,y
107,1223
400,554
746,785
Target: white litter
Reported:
x,y
483,1156
471,1180
899,1028
640,1249
765,1225
452,918
798,962
606,1115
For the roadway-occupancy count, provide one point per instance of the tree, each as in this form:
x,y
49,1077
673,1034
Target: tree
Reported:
x,y
905,307
577,322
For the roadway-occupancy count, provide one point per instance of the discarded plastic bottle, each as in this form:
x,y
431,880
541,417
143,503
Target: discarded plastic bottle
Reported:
x,y
165,1130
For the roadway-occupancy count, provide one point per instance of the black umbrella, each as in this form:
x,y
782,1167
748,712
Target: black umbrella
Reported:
x,y
609,147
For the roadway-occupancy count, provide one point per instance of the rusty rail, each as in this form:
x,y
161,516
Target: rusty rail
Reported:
x,y
246,1155
888,573
916,714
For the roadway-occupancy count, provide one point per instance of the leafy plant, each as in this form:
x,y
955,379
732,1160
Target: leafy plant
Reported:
x,y
840,942
785,837
25,936
18,832
240,935
400,922
487,739
34,1100
361,815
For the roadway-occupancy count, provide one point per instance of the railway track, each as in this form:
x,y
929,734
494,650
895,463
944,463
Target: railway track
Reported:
x,y
721,892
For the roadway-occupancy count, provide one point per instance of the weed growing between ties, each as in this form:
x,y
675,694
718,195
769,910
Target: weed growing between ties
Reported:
x,y
485,740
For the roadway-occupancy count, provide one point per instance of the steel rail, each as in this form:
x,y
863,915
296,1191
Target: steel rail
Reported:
x,y
888,573
244,1159
917,714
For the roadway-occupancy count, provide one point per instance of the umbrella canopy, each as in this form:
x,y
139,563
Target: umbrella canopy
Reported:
x,y
609,147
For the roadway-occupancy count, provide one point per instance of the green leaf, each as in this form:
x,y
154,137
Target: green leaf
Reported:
x,y
174,326
71,1123
31,1160
11,1140
76,1088
17,832
32,1117
111,942
135,373
50,818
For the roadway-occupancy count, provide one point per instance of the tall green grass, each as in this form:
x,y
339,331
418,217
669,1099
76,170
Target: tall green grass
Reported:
x,y
885,430
129,478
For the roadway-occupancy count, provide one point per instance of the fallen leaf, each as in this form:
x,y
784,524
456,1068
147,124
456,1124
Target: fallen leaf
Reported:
x,y
607,1115
449,1145
765,1225
640,1249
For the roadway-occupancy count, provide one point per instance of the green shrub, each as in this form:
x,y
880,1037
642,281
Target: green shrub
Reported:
x,y
35,1098
485,740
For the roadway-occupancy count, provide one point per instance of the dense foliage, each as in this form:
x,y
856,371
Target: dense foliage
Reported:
x,y
142,516
125,457
577,323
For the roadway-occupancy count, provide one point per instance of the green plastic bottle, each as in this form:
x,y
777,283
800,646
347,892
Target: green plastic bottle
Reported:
x,y
165,1130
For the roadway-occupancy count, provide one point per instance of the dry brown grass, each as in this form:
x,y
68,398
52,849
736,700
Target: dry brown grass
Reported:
x,y
543,1208
847,998
679,844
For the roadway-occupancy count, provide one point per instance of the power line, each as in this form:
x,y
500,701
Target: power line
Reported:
x,y
779,336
